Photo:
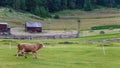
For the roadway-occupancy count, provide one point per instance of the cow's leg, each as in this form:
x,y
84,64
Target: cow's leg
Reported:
x,y
34,54
19,52
24,53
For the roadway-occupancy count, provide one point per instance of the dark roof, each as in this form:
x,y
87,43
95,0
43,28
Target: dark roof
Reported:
x,y
33,24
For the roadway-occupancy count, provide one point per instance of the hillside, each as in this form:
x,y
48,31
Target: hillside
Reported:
x,y
16,18
104,16
67,17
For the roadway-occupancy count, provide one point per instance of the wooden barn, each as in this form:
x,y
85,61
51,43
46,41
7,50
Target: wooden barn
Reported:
x,y
33,26
4,29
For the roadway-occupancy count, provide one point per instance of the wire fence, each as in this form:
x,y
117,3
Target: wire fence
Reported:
x,y
37,37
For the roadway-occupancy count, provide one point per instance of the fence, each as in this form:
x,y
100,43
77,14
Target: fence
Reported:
x,y
37,37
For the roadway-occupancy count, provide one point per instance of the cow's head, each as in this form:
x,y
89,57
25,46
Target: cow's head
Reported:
x,y
41,45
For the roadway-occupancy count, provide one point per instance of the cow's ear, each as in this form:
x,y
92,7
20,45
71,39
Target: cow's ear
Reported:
x,y
39,44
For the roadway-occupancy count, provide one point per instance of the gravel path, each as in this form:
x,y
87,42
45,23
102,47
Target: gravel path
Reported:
x,y
21,31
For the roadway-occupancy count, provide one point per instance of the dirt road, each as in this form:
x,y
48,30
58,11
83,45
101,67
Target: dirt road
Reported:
x,y
21,31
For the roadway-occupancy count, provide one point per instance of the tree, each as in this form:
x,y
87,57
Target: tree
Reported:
x,y
52,6
64,4
37,11
93,3
42,12
30,6
88,5
71,4
112,3
16,4
23,5
79,4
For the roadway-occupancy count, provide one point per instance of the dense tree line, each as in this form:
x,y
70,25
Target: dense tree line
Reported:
x,y
43,7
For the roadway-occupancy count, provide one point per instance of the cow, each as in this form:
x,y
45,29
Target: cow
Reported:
x,y
24,48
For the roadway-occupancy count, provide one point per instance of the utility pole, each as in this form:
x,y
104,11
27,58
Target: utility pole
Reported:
x,y
78,30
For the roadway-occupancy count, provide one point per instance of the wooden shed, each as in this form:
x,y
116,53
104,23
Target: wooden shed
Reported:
x,y
4,29
33,26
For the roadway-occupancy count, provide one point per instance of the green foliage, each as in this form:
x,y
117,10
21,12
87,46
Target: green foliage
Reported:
x,y
88,5
71,4
57,5
56,16
42,12
105,27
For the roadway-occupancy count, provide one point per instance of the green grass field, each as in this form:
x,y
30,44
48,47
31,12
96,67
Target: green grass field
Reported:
x,y
65,53
58,54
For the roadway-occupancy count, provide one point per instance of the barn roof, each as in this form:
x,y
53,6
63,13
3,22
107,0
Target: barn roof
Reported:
x,y
4,23
33,24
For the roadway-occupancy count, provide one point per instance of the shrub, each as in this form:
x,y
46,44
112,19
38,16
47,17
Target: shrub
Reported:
x,y
111,28
102,32
91,31
56,16
105,27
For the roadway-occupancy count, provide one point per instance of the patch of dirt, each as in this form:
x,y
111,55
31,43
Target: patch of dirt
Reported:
x,y
106,40
21,31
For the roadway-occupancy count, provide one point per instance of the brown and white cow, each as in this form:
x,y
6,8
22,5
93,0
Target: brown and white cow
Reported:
x,y
24,48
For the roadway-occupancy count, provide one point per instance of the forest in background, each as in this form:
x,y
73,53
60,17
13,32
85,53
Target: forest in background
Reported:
x,y
43,8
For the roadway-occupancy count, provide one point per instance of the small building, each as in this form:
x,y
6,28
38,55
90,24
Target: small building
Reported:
x,y
4,29
33,26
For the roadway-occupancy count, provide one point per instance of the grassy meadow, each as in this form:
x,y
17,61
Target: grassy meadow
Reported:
x,y
63,53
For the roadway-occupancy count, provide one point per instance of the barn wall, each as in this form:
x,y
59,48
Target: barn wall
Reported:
x,y
3,26
34,29
4,29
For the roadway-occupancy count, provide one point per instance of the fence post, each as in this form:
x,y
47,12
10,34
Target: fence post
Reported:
x,y
10,46
103,50
78,28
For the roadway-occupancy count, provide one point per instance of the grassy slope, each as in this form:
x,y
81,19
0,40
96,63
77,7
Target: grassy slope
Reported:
x,y
18,19
88,19
92,18
15,18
